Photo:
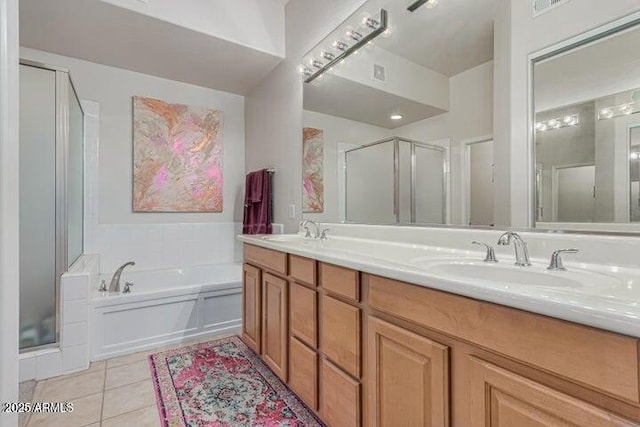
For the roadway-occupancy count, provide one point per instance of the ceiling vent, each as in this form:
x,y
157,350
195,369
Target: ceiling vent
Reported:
x,y
379,73
542,6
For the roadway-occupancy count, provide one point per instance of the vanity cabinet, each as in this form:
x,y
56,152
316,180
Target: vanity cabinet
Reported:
x,y
274,324
251,307
361,349
500,398
408,379
265,310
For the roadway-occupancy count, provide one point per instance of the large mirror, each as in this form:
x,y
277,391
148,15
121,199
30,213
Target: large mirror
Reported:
x,y
587,132
400,130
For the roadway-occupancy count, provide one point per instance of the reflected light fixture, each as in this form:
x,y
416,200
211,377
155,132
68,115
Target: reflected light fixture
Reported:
x,y
619,110
368,28
396,117
634,155
557,123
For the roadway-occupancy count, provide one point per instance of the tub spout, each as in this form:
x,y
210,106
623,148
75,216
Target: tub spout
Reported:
x,y
115,280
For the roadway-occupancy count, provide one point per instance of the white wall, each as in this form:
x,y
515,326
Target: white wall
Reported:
x,y
470,117
522,35
337,130
258,24
113,89
9,225
274,108
152,240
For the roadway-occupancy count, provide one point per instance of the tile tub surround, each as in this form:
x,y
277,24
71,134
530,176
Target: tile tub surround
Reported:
x,y
388,251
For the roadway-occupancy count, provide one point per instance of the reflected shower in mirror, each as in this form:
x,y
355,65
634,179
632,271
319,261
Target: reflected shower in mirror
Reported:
x,y
385,130
586,105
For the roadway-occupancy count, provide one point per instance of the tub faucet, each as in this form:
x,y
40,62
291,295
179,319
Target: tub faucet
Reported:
x,y
522,254
114,286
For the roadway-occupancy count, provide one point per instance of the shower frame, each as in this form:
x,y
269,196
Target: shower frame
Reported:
x,y
63,82
412,183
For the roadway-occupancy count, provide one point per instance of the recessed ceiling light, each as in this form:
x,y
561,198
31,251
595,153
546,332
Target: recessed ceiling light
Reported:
x,y
396,117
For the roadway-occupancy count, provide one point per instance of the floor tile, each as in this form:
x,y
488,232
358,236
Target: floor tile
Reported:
x,y
66,389
127,374
147,417
86,410
129,358
128,398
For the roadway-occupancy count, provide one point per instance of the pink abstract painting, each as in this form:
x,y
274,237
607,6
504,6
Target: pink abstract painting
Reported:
x,y
177,157
312,170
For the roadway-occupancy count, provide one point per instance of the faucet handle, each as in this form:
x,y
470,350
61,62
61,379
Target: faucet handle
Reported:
x,y
307,231
127,288
323,234
556,261
491,255
103,286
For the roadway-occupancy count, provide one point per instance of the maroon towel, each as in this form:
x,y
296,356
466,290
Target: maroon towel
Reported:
x,y
257,200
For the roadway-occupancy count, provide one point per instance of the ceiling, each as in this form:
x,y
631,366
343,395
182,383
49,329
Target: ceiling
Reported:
x,y
340,97
100,32
453,37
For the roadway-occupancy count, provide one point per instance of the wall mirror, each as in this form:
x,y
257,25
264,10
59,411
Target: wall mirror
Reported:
x,y
398,130
586,125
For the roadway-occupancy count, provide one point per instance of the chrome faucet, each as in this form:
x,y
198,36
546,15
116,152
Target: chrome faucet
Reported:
x,y
305,224
114,286
522,254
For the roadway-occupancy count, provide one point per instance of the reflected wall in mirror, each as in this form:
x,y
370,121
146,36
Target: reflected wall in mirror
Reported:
x,y
586,121
403,120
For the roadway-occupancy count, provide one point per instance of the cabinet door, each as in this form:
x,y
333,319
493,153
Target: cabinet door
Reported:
x,y
303,372
340,334
274,324
408,378
340,402
500,398
303,318
251,307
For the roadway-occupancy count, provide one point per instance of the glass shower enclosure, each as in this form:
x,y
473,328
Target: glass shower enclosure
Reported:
x,y
51,196
396,181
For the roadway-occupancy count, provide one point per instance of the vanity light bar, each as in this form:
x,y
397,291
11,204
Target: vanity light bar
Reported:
x,y
619,110
345,51
557,123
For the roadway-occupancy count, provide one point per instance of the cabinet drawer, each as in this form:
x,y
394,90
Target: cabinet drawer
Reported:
x,y
500,398
303,372
273,260
590,357
341,334
340,397
303,314
341,281
302,270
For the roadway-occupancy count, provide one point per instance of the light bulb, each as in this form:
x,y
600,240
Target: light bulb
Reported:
x,y
341,46
396,117
543,127
387,33
626,109
327,55
431,4
606,113
303,70
354,35
635,155
554,123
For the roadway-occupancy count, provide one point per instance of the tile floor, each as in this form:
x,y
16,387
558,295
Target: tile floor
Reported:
x,y
116,392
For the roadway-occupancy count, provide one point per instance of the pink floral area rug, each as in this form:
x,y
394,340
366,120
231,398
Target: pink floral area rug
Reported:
x,y
223,383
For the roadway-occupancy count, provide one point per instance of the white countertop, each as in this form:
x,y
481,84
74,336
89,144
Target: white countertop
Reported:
x,y
602,296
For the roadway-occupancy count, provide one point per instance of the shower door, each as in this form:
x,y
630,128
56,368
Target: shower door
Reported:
x,y
396,181
51,196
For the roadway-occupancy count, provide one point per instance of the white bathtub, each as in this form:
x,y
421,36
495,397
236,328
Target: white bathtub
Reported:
x,y
165,307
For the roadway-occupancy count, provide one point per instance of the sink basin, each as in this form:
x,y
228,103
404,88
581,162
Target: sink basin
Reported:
x,y
508,274
285,238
